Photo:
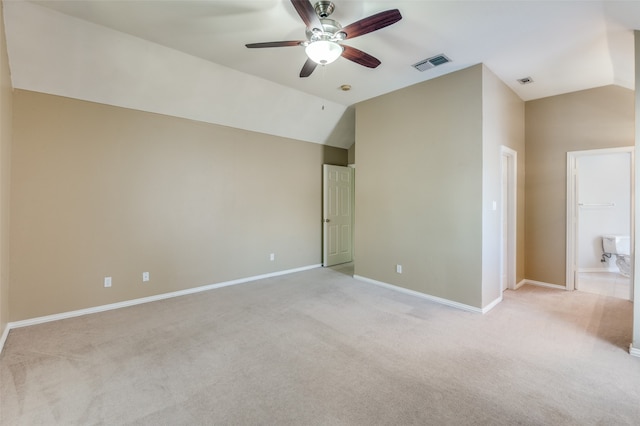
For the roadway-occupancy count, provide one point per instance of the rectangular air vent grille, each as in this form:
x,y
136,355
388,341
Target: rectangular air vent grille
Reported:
x,y
431,62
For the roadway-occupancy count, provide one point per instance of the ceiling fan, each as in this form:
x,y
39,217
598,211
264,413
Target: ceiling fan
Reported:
x,y
325,36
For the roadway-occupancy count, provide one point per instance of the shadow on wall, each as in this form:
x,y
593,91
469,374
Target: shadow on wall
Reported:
x,y
334,156
344,133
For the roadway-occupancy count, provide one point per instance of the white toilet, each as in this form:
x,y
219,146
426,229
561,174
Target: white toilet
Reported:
x,y
620,247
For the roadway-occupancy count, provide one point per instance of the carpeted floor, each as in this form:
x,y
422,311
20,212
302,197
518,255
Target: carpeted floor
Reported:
x,y
320,348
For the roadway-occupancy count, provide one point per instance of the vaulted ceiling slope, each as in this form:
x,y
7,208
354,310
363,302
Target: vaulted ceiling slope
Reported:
x,y
188,58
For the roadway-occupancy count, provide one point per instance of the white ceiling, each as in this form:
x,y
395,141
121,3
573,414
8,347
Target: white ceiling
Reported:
x,y
563,46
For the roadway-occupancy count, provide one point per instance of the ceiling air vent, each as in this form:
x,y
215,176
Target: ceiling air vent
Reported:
x,y
431,62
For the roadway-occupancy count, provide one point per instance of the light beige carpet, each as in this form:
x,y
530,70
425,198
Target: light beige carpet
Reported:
x,y
319,348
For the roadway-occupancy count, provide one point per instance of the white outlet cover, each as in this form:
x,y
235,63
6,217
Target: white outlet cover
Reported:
x,y
145,276
107,281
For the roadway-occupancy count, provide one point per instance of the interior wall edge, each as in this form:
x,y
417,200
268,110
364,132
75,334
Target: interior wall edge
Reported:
x,y
636,230
419,187
6,138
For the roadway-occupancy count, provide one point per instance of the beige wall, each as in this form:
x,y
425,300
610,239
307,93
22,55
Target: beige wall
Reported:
x,y
6,110
105,191
589,119
503,125
351,155
419,187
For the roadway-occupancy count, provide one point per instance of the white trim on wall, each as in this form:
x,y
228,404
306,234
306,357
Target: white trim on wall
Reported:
x,y
542,284
571,222
132,302
512,217
4,336
436,299
492,305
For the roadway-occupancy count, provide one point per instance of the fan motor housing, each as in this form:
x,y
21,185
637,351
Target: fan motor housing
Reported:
x,y
330,29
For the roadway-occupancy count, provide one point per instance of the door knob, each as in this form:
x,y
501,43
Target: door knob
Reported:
x,y
327,220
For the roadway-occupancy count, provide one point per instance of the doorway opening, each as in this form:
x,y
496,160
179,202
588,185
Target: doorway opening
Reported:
x,y
509,185
600,221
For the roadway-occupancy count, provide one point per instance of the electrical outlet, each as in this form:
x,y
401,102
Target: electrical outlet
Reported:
x,y
399,269
107,281
145,276
272,257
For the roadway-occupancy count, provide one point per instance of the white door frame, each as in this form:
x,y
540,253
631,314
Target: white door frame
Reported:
x,y
572,210
511,217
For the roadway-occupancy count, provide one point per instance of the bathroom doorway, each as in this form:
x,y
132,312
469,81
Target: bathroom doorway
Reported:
x,y
600,204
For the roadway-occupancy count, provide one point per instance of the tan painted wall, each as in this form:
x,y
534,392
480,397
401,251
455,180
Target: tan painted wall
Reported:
x,y
6,108
419,187
590,119
104,191
503,125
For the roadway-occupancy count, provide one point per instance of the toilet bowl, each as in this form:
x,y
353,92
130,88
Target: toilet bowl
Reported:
x,y
620,247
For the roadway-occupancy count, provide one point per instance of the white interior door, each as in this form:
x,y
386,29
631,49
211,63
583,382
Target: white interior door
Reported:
x,y
337,215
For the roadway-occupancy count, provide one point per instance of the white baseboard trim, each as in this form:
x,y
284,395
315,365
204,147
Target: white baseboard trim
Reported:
x,y
436,299
543,284
132,302
492,305
520,284
634,351
3,338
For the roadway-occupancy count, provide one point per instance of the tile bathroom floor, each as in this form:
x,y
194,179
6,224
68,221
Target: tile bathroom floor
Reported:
x,y
605,283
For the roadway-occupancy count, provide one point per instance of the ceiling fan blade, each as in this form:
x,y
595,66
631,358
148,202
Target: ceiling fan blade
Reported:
x,y
307,13
308,68
372,23
359,57
273,44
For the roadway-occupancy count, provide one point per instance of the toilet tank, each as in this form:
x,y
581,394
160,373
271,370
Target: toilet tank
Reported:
x,y
618,244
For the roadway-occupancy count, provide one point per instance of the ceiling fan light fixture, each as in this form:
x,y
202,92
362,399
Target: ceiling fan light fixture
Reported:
x,y
323,52
324,35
